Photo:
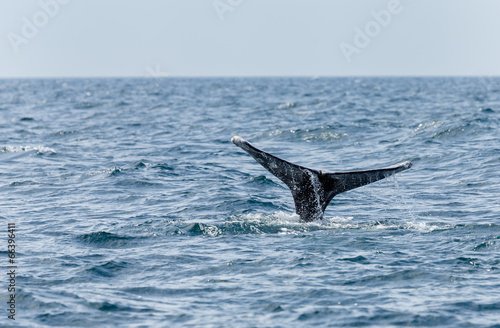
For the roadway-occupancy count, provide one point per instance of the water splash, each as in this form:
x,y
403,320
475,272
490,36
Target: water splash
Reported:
x,y
288,223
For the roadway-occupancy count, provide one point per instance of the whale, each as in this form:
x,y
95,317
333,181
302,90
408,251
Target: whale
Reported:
x,y
312,190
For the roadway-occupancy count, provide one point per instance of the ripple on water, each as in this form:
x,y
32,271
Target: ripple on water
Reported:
x,y
108,269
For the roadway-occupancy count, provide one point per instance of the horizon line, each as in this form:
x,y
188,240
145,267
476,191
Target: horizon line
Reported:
x,y
312,76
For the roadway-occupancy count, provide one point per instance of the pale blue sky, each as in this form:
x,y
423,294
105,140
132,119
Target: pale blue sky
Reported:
x,y
248,37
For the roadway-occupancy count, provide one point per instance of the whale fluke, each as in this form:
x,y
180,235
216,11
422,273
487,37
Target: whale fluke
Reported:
x,y
312,190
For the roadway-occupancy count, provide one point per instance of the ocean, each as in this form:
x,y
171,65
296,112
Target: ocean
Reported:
x,y
131,207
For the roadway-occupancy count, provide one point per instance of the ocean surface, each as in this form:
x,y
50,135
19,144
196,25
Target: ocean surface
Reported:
x,y
133,208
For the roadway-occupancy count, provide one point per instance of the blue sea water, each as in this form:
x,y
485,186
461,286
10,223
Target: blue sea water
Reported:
x,y
134,209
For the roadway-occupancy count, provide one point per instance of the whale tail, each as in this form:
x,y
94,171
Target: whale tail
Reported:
x,y
312,190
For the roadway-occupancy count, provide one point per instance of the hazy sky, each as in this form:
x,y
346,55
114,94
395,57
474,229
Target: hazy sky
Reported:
x,y
53,38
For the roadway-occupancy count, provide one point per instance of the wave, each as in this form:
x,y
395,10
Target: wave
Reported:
x,y
105,239
114,171
285,223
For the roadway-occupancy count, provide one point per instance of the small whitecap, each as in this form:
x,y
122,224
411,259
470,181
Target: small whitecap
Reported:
x,y
18,149
287,105
422,226
428,125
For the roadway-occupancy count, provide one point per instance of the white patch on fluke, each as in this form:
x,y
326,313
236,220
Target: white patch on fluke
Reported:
x,y
317,192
